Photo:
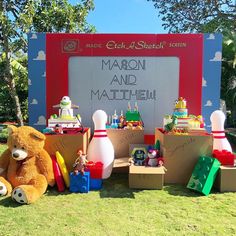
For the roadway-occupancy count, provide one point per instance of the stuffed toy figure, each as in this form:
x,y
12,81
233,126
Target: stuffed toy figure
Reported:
x,y
80,163
25,167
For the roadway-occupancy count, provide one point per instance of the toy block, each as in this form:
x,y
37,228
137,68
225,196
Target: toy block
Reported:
x,y
95,169
95,184
79,183
224,157
204,175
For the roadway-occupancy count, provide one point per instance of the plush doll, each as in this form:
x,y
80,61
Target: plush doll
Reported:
x,y
25,167
152,158
80,163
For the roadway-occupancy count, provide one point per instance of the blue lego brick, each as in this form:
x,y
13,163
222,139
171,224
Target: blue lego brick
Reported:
x,y
204,175
95,184
79,183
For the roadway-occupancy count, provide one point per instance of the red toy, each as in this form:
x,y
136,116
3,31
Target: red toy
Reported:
x,y
95,169
224,157
57,175
152,158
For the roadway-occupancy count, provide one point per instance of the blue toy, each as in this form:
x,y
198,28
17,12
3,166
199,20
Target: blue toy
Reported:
x,y
79,183
139,154
95,184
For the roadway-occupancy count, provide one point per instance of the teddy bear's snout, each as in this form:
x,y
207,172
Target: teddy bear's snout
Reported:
x,y
15,154
19,154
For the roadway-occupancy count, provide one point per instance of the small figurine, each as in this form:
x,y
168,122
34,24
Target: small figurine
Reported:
x,y
80,163
66,108
58,129
139,155
170,126
152,158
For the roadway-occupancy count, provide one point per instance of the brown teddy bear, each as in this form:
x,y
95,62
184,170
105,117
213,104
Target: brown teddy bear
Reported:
x,y
25,166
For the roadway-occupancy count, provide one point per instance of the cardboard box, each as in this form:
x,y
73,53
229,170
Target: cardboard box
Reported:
x,y
121,139
68,145
141,177
181,153
226,179
121,165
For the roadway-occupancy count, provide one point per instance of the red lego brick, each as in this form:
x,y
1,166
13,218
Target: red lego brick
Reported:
x,y
95,169
224,157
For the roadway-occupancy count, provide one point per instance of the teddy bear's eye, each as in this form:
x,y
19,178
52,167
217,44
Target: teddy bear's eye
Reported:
x,y
23,148
14,146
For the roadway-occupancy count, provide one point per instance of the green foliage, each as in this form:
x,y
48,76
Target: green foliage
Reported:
x,y
195,15
3,137
61,16
18,17
228,81
18,70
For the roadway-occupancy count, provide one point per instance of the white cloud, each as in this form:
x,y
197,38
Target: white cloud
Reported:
x,y
34,36
29,82
208,103
41,121
204,82
44,74
41,56
34,102
218,57
211,36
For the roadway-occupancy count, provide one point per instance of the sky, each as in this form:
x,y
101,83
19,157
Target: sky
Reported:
x,y
125,16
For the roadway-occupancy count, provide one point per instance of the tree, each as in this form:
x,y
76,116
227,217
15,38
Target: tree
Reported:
x,y
228,81
207,16
18,17
196,15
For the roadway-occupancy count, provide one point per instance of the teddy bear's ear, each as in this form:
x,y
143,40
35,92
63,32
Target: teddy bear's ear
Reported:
x,y
11,129
37,135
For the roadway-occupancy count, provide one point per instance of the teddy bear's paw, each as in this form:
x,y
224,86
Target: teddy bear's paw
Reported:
x,y
19,195
3,189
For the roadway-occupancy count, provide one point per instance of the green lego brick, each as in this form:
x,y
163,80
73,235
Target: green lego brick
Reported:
x,y
204,175
132,116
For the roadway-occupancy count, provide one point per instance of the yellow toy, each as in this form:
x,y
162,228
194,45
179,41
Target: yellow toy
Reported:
x,y
25,166
181,103
62,166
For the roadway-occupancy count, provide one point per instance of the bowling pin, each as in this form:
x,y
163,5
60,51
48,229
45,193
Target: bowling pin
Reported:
x,y
100,148
220,142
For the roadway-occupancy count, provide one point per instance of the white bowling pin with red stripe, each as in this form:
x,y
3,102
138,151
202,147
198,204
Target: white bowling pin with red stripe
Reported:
x,y
100,148
220,142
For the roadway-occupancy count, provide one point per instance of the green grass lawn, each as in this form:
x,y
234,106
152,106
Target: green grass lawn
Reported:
x,y
118,210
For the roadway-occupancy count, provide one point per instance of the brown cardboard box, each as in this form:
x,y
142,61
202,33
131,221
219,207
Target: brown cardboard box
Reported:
x,y
68,145
226,179
181,153
121,165
121,139
141,177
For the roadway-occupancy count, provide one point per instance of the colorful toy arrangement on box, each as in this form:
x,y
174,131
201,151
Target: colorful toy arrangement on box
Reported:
x,y
65,122
89,170
131,120
142,157
180,122
85,176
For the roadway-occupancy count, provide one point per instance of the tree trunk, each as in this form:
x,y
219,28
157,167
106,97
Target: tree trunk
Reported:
x,y
15,98
7,75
